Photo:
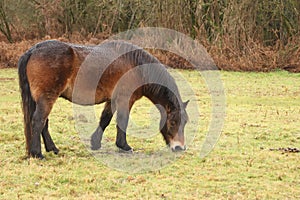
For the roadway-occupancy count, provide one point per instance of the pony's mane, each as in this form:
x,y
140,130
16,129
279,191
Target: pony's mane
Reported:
x,y
159,81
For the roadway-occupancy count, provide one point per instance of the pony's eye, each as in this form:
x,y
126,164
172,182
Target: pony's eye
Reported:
x,y
172,123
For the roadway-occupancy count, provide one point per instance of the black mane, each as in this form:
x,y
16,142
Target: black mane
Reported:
x,y
158,80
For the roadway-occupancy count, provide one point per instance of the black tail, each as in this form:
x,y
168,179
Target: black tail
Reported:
x,y
28,104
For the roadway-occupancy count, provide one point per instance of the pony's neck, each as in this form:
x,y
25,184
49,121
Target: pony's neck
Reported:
x,y
162,96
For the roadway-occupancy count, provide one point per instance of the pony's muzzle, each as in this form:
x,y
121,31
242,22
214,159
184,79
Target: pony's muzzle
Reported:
x,y
179,148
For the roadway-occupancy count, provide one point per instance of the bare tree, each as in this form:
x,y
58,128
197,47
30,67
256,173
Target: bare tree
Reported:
x,y
4,22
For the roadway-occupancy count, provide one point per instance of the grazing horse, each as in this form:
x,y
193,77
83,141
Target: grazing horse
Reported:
x,y
50,69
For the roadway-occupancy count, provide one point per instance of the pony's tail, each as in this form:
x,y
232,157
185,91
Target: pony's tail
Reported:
x,y
28,104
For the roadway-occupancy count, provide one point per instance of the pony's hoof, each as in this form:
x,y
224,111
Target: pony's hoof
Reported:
x,y
130,151
95,147
37,155
125,148
95,142
54,149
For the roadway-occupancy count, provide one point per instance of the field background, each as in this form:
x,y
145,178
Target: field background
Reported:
x,y
245,38
262,113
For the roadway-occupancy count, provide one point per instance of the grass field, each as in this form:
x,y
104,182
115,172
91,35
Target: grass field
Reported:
x,y
262,112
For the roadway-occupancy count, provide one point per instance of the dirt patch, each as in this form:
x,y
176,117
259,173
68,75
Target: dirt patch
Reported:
x,y
286,150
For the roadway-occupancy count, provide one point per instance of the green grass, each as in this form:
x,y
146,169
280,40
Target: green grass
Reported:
x,y
262,112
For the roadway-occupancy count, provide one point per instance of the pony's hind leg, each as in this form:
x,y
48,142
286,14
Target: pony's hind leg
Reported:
x,y
39,119
105,119
49,144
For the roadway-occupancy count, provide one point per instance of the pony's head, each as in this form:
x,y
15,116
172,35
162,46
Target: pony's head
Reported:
x,y
172,128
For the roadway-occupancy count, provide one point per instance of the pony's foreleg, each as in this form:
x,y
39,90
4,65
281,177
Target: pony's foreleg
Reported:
x,y
49,144
122,123
123,109
105,119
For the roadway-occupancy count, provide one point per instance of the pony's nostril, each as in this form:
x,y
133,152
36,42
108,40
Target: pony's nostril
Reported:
x,y
179,148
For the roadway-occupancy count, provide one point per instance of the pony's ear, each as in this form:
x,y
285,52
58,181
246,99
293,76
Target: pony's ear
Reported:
x,y
185,104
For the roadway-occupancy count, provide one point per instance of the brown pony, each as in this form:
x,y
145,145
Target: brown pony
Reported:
x,y
116,72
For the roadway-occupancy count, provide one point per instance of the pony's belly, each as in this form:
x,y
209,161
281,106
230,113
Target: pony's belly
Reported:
x,y
85,96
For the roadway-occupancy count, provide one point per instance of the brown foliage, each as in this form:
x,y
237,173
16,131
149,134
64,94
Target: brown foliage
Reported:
x,y
254,57
10,53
